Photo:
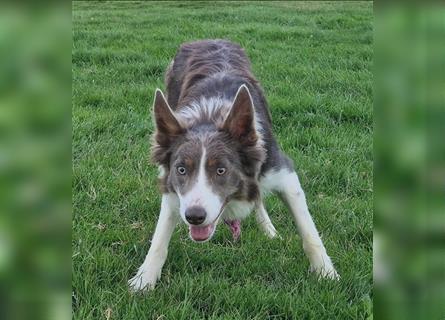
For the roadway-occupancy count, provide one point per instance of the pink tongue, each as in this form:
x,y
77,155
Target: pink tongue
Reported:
x,y
235,227
201,233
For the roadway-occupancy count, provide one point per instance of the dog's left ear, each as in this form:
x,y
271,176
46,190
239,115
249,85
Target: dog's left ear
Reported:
x,y
240,122
167,125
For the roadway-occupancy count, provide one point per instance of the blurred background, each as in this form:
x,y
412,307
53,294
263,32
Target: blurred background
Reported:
x,y
35,162
409,160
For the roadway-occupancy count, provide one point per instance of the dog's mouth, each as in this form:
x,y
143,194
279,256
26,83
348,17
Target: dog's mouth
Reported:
x,y
201,233
204,233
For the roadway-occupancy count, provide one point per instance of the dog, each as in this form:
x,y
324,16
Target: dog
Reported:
x,y
217,156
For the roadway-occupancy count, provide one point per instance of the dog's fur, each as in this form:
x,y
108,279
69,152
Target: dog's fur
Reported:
x,y
217,155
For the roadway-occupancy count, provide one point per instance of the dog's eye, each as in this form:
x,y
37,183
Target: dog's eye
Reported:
x,y
181,170
221,171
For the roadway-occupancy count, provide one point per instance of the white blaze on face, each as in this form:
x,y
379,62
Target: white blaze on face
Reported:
x,y
201,195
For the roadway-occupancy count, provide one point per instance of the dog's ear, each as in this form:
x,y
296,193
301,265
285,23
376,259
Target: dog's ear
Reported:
x,y
240,121
168,127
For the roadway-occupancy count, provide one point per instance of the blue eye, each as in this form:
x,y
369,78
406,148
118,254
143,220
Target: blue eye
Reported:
x,y
220,171
181,170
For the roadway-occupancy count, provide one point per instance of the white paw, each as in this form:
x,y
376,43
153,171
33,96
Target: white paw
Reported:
x,y
270,231
144,280
325,270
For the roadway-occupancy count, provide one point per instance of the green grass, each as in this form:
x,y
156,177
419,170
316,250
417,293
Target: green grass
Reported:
x,y
314,61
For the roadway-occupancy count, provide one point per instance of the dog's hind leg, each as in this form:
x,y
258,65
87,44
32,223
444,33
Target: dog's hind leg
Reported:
x,y
264,221
293,195
150,271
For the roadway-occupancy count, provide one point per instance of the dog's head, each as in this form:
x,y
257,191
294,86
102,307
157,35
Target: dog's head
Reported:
x,y
208,162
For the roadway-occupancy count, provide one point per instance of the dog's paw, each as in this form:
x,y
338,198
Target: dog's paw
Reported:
x,y
271,232
142,281
326,271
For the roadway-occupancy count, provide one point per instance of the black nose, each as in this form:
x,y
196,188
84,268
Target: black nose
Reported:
x,y
195,215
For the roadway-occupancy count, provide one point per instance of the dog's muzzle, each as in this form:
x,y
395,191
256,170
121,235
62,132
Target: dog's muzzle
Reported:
x,y
195,215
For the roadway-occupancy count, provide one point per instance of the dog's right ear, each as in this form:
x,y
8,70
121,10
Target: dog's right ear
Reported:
x,y
168,127
240,122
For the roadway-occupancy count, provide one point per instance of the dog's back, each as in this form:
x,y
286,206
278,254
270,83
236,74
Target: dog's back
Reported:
x,y
199,66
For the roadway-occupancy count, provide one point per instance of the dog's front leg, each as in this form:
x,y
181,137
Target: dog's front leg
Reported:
x,y
294,197
150,271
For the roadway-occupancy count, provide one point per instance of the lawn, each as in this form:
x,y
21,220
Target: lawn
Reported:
x,y
314,61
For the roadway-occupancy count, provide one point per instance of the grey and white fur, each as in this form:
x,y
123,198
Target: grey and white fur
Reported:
x,y
218,157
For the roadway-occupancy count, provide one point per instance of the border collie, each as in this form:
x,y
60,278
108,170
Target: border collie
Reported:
x,y
217,156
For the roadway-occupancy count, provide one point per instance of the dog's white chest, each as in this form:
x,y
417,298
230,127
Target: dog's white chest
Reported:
x,y
236,209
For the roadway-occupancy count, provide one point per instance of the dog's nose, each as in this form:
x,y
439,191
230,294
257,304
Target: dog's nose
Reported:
x,y
195,215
